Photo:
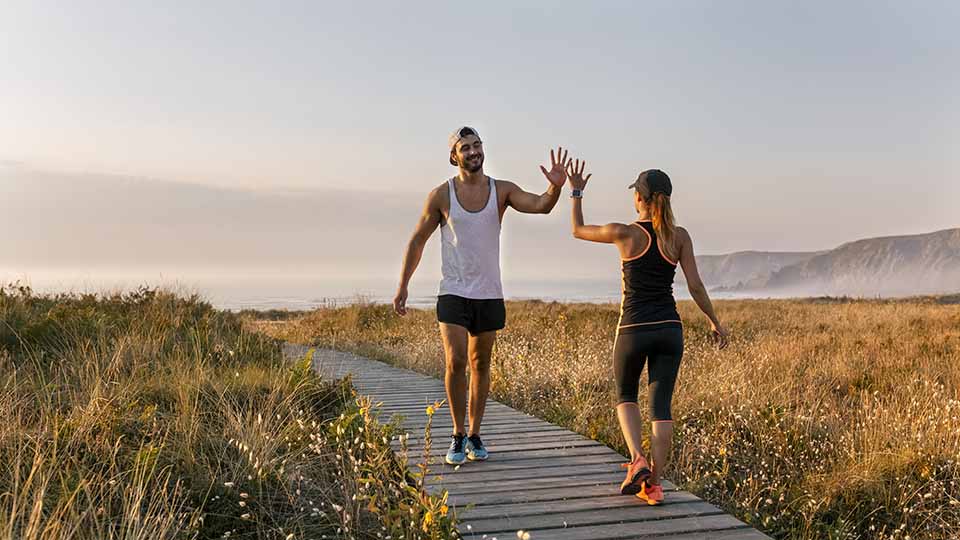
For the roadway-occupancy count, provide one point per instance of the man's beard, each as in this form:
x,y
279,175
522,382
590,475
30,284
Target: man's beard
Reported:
x,y
473,166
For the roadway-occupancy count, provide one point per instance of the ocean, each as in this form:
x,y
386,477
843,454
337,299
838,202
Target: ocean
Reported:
x,y
270,291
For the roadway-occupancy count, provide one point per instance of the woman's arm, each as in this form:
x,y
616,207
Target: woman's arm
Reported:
x,y
698,291
607,234
610,233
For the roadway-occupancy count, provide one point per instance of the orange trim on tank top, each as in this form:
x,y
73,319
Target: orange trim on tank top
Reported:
x,y
664,255
645,250
648,323
659,247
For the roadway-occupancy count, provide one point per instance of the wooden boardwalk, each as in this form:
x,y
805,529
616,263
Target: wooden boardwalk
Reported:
x,y
540,477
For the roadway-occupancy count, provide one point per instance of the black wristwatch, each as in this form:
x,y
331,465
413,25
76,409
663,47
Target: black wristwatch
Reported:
x,y
576,194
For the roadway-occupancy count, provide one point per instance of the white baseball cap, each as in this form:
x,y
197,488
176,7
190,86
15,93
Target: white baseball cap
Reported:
x,y
457,135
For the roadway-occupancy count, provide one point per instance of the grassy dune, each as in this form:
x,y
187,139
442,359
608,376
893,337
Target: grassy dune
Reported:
x,y
823,419
148,416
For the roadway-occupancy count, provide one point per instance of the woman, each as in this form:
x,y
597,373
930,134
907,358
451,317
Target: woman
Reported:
x,y
650,330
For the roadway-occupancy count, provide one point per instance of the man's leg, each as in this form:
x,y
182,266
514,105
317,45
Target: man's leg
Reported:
x,y
480,351
455,375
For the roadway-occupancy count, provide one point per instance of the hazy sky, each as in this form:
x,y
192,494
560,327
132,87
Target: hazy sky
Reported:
x,y
785,125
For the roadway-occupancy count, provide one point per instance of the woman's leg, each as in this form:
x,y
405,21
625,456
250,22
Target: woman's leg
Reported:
x,y
631,424
662,376
628,360
661,438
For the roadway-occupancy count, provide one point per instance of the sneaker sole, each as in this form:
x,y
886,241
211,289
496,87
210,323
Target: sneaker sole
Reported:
x,y
636,483
649,502
471,458
451,462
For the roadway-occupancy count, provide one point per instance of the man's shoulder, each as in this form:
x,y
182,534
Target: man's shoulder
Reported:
x,y
439,195
504,185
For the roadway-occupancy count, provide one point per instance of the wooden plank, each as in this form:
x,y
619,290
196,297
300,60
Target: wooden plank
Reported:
x,y
531,484
423,386
611,480
506,467
443,432
490,412
560,493
558,436
547,447
732,534
539,456
541,524
443,424
643,529
570,505
481,474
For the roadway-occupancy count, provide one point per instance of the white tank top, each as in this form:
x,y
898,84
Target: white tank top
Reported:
x,y
470,249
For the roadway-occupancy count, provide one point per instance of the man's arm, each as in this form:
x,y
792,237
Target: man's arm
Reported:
x,y
428,222
528,203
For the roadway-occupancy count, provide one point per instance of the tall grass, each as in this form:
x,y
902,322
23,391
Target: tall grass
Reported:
x,y
823,419
150,416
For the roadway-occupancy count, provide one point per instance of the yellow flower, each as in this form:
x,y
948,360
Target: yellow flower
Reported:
x,y
430,410
427,520
443,510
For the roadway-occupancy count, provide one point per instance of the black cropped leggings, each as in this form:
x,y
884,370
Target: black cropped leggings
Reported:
x,y
662,349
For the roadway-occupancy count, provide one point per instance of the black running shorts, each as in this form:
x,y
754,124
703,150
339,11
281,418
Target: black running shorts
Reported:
x,y
475,315
661,350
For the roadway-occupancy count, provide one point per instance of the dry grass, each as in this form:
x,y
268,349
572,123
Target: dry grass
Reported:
x,y
823,419
150,416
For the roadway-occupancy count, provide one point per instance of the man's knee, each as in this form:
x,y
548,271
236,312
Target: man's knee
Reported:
x,y
457,362
480,363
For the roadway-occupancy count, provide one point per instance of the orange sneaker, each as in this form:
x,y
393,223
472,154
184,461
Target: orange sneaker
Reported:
x,y
652,493
637,472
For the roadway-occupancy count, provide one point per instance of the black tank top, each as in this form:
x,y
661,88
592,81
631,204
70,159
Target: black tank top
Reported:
x,y
648,302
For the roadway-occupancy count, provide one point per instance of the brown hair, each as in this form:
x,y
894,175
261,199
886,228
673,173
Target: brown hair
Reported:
x,y
663,222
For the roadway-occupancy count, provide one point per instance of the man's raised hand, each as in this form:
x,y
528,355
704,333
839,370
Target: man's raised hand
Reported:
x,y
557,174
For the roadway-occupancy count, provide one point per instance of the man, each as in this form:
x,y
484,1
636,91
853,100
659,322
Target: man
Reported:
x,y
469,209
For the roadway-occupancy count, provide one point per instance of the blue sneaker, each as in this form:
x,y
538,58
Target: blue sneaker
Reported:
x,y
456,455
475,449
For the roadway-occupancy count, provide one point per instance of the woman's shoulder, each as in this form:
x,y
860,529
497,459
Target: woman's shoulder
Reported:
x,y
683,236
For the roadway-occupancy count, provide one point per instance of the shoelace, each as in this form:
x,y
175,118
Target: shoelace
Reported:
x,y
477,443
457,444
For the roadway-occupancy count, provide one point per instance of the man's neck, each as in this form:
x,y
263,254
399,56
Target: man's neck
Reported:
x,y
468,177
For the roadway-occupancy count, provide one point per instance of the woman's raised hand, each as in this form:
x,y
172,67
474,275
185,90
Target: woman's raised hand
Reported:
x,y
575,174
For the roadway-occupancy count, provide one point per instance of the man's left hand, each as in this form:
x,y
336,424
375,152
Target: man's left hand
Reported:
x,y
557,174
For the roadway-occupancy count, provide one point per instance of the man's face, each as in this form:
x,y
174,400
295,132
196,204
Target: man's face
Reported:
x,y
469,153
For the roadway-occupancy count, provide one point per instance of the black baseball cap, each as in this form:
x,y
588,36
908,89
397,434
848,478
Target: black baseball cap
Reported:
x,y
657,182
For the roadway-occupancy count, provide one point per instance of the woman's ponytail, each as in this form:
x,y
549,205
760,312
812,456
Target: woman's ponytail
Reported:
x,y
664,224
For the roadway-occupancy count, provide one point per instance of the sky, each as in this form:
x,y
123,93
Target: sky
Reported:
x,y
784,125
